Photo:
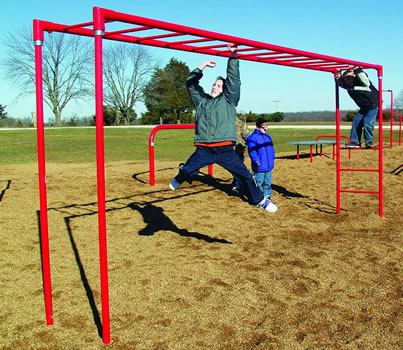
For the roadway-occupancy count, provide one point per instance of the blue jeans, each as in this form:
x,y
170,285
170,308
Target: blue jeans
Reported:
x,y
368,121
263,179
229,160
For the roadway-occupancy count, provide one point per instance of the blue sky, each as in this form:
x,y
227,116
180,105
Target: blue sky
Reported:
x,y
368,31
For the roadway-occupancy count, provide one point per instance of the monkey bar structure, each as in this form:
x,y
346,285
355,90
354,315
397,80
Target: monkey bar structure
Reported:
x,y
145,31
391,120
399,132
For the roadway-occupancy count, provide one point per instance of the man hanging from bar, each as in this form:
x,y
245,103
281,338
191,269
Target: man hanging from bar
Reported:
x,y
215,132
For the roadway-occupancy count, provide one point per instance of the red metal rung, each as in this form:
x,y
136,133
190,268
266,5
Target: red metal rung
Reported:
x,y
371,170
356,191
124,31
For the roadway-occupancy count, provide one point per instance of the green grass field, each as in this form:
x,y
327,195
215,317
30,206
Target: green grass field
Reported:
x,y
77,145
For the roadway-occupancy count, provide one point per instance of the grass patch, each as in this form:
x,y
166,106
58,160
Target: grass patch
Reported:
x,y
77,145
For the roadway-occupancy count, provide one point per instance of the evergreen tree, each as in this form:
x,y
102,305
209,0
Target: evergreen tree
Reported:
x,y
166,96
3,113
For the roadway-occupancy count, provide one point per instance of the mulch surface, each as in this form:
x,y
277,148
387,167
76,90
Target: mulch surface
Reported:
x,y
198,268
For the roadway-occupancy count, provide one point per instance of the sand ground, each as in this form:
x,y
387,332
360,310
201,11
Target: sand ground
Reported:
x,y
198,268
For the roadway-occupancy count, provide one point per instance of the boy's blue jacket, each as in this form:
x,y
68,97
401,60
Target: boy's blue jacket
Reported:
x,y
261,151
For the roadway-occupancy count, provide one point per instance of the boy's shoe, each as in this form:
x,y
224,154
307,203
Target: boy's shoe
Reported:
x,y
174,185
353,145
268,205
267,197
369,144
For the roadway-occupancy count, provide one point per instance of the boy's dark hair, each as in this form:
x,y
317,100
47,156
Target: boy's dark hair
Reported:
x,y
260,122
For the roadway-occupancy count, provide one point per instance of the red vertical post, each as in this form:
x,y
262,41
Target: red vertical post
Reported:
x,y
337,149
151,158
391,117
210,169
310,151
99,28
380,76
38,42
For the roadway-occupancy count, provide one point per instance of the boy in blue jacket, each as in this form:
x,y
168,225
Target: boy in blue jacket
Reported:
x,y
261,153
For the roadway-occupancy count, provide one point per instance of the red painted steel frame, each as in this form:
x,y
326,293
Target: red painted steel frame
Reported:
x,y
310,152
43,213
332,136
380,169
192,41
400,129
338,175
99,122
392,116
151,147
380,148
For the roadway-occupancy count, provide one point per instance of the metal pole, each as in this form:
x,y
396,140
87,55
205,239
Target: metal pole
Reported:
x,y
391,117
151,156
103,254
380,76
310,151
38,42
337,149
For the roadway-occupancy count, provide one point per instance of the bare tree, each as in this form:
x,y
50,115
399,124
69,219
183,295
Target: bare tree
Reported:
x,y
127,69
67,67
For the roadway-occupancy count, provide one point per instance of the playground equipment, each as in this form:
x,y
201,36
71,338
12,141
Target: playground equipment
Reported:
x,y
334,151
176,37
400,130
320,143
151,147
391,120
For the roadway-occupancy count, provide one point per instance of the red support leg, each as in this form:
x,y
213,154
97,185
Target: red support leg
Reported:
x,y
337,151
38,41
380,76
103,254
310,150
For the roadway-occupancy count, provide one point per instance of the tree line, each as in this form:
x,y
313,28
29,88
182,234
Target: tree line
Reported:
x,y
130,74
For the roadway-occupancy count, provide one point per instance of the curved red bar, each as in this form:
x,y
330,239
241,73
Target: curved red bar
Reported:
x,y
151,147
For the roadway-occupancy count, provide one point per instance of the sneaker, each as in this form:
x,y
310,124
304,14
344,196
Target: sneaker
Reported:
x,y
353,145
369,144
235,190
268,205
267,197
174,185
